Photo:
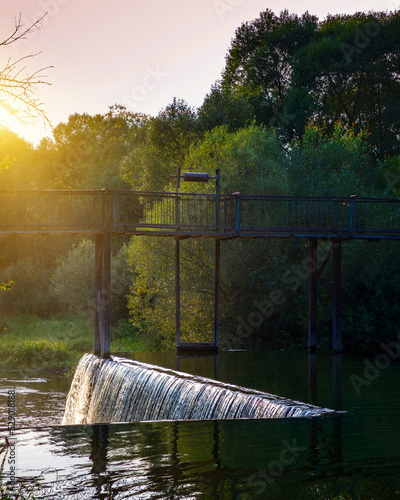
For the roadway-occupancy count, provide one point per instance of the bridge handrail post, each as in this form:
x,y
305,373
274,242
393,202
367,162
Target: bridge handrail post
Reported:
x,y
335,218
352,211
217,199
177,198
115,212
238,211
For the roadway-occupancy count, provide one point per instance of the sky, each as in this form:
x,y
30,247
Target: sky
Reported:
x,y
140,54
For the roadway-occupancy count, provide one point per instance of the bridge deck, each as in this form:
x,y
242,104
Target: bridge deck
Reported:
x,y
197,215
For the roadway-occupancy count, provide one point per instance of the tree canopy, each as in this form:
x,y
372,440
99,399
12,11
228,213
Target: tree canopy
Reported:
x,y
294,69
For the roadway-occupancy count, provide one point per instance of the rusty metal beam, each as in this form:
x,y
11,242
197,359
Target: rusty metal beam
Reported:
x,y
312,295
337,298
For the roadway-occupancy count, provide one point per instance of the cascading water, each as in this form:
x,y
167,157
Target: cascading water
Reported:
x,y
121,390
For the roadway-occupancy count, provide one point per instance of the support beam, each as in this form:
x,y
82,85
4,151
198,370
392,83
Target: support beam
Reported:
x,y
102,323
98,316
106,296
312,378
217,290
337,298
312,295
177,294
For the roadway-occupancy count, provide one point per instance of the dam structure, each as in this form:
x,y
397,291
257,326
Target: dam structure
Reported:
x,y
120,390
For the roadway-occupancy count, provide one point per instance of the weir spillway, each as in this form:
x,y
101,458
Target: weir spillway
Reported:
x,y
122,390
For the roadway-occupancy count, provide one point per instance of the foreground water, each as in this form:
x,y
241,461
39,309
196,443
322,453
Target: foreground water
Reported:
x,y
347,455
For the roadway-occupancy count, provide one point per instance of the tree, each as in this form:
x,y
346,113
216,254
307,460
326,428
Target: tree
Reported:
x,y
250,159
334,162
17,168
87,151
223,106
163,148
297,69
259,63
350,72
72,284
18,89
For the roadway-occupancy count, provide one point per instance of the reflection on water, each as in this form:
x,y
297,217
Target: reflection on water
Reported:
x,y
353,454
40,401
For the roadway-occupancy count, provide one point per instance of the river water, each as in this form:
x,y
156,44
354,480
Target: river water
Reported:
x,y
353,454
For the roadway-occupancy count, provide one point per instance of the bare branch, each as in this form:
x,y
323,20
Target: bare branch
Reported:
x,y
19,87
20,33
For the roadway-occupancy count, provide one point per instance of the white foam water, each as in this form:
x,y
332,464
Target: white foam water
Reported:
x,y
121,390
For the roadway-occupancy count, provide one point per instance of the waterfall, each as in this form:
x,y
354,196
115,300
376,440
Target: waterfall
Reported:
x,y
121,390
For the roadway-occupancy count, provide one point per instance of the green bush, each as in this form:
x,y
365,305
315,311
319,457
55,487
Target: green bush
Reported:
x,y
30,292
72,284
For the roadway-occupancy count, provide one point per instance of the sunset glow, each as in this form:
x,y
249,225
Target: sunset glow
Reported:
x,y
138,54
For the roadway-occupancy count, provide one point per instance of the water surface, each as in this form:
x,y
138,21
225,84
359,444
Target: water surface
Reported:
x,y
348,455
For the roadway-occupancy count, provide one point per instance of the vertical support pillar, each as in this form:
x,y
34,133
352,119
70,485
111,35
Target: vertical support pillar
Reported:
x,y
312,296
337,298
177,294
98,317
106,296
217,290
337,381
312,378
102,322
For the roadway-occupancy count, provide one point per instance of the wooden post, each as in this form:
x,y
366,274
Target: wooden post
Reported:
x,y
105,339
102,314
217,256
177,294
217,289
337,381
337,298
98,317
312,295
312,378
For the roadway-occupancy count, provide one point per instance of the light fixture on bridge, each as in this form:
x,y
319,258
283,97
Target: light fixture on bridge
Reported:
x,y
195,177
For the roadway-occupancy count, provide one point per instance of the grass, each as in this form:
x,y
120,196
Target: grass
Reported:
x,y
57,344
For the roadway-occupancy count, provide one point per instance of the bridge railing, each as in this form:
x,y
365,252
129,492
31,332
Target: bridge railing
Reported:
x,y
379,217
299,214
188,212
51,210
234,214
192,213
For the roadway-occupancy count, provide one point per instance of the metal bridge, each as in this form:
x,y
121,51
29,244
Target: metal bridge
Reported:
x,y
191,215
197,215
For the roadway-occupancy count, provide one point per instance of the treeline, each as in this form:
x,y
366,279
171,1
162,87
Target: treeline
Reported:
x,y
303,107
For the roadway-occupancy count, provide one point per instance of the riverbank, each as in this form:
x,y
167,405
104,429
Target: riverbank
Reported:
x,y
57,344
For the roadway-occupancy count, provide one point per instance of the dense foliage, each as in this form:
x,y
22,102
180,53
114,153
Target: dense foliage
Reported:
x,y
304,107
295,69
